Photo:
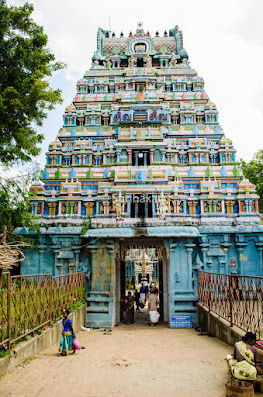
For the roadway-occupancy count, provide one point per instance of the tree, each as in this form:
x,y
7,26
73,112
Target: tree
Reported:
x,y
14,200
25,93
253,170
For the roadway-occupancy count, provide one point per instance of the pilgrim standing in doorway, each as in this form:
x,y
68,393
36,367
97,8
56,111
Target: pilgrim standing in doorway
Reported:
x,y
152,307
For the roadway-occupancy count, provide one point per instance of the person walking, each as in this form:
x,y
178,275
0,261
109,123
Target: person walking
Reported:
x,y
66,341
152,307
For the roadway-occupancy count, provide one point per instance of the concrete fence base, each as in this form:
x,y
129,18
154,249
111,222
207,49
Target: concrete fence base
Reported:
x,y
37,344
217,326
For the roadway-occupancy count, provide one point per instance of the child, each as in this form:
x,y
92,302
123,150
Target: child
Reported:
x,y
66,341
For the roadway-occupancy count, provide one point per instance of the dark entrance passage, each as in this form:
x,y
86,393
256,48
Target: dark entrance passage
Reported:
x,y
141,206
140,157
141,264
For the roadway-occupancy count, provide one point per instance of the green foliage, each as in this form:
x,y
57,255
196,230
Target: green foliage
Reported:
x,y
253,170
85,226
25,93
14,203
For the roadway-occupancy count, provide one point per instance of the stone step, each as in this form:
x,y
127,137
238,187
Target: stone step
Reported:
x,y
98,299
97,309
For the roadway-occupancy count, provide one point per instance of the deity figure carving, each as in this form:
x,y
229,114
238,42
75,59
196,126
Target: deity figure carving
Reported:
x,y
148,61
107,63
132,61
173,61
161,204
119,202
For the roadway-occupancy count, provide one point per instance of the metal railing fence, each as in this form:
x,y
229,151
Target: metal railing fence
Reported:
x,y
29,302
235,298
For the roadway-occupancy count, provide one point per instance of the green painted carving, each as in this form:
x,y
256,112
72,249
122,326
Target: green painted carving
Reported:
x,y
58,174
89,173
209,172
163,49
124,157
116,50
236,171
174,96
157,156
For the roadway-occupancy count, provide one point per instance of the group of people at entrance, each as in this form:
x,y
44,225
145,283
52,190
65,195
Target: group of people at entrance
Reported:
x,y
243,364
143,294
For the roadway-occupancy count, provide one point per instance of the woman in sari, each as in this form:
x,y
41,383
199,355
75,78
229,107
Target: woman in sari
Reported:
x,y
243,365
129,308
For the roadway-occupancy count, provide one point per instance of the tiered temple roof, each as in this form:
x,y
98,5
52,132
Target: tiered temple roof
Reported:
x,y
142,139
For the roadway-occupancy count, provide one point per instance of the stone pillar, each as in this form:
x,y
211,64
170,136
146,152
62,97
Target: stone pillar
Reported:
x,y
144,158
192,207
240,246
52,208
118,152
151,155
41,261
229,206
93,251
136,158
130,155
204,248
189,250
89,208
106,205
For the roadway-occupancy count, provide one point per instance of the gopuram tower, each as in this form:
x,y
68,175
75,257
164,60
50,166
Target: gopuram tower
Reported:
x,y
141,164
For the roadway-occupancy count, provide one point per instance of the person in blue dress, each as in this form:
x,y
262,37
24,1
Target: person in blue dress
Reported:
x,y
66,341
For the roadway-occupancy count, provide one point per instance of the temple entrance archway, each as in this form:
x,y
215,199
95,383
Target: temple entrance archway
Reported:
x,y
141,261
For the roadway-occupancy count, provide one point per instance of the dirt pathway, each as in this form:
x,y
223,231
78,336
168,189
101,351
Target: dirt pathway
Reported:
x,y
131,361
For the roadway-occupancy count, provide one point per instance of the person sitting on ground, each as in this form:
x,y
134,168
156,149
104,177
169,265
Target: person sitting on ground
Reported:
x,y
152,307
66,341
243,365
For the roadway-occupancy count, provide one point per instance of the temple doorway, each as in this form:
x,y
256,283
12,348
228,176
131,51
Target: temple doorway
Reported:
x,y
141,268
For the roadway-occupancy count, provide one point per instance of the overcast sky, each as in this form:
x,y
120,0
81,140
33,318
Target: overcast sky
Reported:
x,y
224,40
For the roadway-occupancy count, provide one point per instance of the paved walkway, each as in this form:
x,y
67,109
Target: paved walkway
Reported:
x,y
131,361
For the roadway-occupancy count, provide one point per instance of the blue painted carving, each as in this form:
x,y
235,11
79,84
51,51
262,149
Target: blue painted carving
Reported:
x,y
191,185
48,160
89,187
198,208
105,172
235,208
196,130
204,158
73,132
76,160
87,160
229,185
191,172
169,172
72,174
100,132
46,209
217,130
223,171
193,158
141,176
83,209
45,174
